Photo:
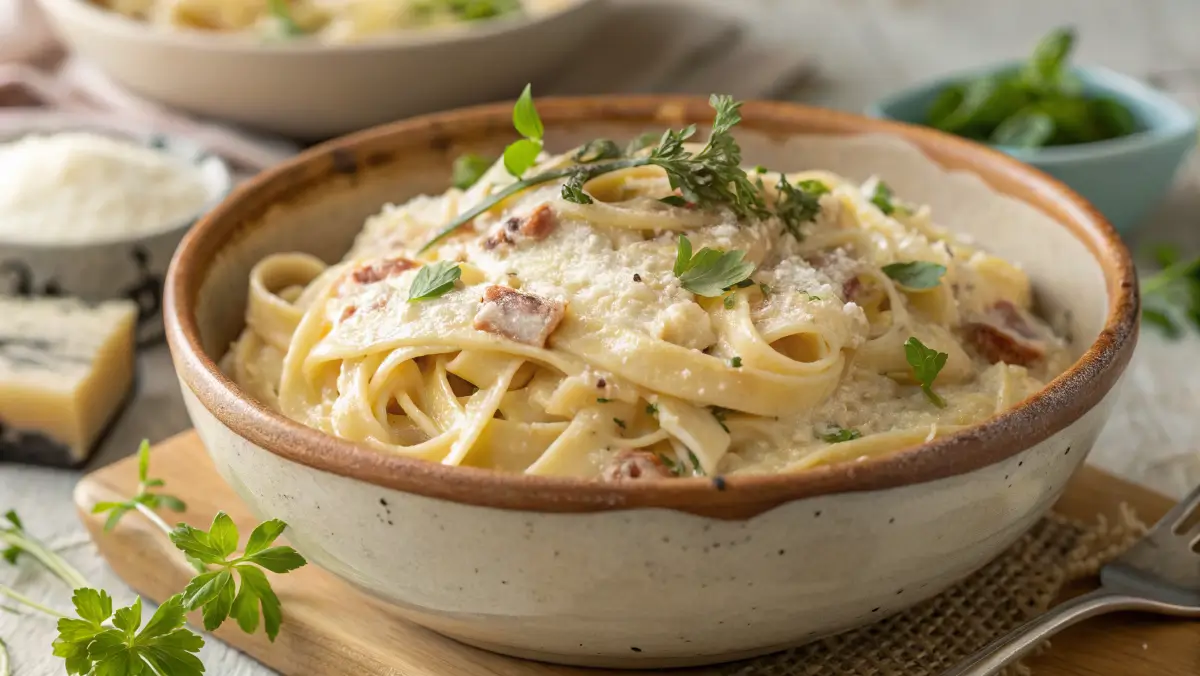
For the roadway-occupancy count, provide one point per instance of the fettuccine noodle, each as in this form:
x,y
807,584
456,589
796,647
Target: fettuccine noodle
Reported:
x,y
593,360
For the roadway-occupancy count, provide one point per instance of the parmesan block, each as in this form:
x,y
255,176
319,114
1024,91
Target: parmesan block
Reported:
x,y
66,369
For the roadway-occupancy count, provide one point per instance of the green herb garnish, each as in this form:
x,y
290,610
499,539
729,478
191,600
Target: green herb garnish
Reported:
x,y
1040,104
711,271
468,169
765,288
620,423
434,280
798,204
730,302
283,14
651,409
697,468
1171,297
736,362
602,400
91,647
709,178
882,197
17,542
596,150
520,155
926,364
145,497
674,200
835,434
720,413
215,591
917,275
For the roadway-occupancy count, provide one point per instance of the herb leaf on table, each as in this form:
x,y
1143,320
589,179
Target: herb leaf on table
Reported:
x,y
145,499
216,592
1171,297
91,647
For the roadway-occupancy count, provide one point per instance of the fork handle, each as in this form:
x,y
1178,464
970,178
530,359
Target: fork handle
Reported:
x,y
1020,641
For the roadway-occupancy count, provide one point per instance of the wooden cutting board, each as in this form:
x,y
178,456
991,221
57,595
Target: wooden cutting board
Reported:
x,y
331,629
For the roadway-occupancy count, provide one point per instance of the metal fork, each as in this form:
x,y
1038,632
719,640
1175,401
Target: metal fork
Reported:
x,y
1160,574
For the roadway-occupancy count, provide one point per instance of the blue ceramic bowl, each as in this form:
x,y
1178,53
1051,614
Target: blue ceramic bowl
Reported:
x,y
1122,177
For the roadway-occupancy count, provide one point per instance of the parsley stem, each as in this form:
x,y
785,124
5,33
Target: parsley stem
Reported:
x,y
154,518
589,171
52,561
26,601
1168,275
5,670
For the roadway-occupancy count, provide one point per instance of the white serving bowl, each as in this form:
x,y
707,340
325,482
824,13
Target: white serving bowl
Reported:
x,y
679,572
131,267
307,89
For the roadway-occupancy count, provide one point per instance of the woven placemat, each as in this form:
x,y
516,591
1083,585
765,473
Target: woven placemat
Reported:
x,y
936,635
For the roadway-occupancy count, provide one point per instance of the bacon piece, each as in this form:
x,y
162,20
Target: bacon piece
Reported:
x,y
537,225
348,312
851,289
1007,334
380,270
522,317
630,465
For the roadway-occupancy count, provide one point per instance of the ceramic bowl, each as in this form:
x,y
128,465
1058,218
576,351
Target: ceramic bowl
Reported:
x,y
687,571
1124,177
125,267
310,90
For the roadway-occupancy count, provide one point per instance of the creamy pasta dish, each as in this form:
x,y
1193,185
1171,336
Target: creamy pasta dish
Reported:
x,y
634,314
327,20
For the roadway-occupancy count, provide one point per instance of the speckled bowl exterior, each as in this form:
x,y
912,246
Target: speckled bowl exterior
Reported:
x,y
672,573
125,267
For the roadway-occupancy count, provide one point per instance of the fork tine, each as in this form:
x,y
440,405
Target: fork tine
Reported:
x,y
1179,513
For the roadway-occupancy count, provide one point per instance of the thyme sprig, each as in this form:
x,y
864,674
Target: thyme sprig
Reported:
x,y
710,177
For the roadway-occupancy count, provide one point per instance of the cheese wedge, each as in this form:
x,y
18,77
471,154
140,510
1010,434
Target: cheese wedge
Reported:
x,y
66,369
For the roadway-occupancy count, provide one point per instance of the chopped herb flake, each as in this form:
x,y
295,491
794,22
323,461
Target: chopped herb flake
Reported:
x,y
916,275
834,434
736,362
926,363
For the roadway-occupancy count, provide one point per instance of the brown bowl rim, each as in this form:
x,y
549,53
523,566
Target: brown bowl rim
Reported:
x,y
1047,412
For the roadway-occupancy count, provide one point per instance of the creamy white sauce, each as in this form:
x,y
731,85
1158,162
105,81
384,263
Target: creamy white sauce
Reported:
x,y
80,188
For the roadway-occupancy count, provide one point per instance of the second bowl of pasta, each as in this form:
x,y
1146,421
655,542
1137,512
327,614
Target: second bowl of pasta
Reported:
x,y
313,70
651,400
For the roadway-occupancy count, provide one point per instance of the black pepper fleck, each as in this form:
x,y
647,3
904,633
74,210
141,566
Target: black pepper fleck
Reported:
x,y
782,552
637,277
875,610
719,482
817,514
635,649
892,520
383,502
601,383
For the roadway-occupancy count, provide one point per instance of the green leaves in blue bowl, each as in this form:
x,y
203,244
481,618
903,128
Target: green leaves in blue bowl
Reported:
x,y
1036,105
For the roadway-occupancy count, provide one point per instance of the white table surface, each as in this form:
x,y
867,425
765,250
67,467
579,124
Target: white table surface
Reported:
x,y
862,49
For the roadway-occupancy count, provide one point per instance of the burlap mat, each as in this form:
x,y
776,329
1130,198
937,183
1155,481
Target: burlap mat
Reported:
x,y
936,635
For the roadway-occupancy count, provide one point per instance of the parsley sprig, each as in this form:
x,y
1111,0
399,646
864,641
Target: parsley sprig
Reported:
x,y
282,13
215,591
1171,296
916,275
468,168
433,281
91,647
710,272
926,363
835,434
145,500
709,177
99,641
17,541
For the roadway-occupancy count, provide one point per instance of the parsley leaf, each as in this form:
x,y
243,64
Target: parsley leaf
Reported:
x,y
835,434
675,201
468,169
719,413
643,141
16,541
145,496
520,155
697,468
602,400
926,363
798,204
711,271
651,409
433,281
1172,295
596,150
882,198
736,362
283,14
164,645
917,275
620,423
572,190
216,592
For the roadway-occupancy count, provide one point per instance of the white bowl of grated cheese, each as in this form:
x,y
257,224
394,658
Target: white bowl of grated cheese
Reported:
x,y
96,212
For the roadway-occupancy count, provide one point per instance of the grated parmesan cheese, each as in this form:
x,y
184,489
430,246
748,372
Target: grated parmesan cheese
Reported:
x,y
79,187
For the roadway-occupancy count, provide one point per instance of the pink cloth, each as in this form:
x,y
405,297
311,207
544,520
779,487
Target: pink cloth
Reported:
x,y
42,86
